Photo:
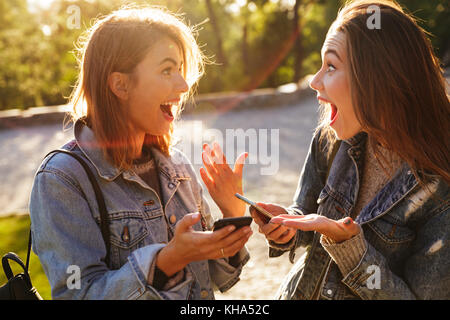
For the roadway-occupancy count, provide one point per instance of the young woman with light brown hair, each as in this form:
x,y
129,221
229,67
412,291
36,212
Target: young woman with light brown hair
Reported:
x,y
137,67
372,203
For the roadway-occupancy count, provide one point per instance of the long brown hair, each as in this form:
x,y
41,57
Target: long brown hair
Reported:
x,y
118,42
397,86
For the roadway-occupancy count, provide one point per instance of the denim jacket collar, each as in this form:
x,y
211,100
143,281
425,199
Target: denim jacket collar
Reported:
x,y
88,144
396,189
356,139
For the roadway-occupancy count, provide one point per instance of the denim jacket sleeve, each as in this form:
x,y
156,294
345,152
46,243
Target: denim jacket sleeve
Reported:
x,y
311,182
71,249
426,271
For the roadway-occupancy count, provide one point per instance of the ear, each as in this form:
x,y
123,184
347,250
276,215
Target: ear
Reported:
x,y
119,84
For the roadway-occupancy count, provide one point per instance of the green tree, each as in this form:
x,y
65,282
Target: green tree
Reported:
x,y
21,50
252,43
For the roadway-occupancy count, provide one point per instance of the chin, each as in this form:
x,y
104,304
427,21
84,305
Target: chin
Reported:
x,y
157,130
343,134
158,133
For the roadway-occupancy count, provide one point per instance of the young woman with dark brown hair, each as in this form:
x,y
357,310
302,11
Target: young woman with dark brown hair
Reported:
x,y
372,204
137,67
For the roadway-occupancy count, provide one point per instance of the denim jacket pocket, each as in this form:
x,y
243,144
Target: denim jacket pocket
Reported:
x,y
329,206
128,233
391,230
323,205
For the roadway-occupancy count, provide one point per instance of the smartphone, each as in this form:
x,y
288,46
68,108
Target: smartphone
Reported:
x,y
238,222
260,209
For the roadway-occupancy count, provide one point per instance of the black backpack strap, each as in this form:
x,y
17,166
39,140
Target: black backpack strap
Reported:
x,y
28,252
104,223
6,267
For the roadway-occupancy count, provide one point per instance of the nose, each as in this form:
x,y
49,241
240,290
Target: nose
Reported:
x,y
182,85
316,82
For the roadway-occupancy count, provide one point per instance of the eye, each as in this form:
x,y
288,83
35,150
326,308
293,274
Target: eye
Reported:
x,y
330,67
167,71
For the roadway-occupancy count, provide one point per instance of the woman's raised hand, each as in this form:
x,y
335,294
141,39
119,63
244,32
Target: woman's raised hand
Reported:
x,y
222,182
275,232
336,230
188,245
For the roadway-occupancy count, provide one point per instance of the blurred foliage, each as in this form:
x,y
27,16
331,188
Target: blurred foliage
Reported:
x,y
254,43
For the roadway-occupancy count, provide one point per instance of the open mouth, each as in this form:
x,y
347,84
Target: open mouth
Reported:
x,y
167,111
333,114
332,107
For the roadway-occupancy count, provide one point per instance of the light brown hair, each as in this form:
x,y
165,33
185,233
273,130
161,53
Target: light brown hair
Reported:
x,y
118,42
397,87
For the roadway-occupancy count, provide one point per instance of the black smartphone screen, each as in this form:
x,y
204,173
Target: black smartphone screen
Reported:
x,y
238,222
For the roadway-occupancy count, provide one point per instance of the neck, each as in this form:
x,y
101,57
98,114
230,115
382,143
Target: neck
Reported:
x,y
138,144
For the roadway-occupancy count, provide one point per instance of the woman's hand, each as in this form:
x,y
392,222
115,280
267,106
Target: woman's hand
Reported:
x,y
336,230
188,245
275,232
222,182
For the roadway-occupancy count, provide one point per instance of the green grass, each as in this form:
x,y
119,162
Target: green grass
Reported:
x,y
14,232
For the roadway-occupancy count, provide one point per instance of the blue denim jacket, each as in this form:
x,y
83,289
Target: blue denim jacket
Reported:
x,y
406,229
66,234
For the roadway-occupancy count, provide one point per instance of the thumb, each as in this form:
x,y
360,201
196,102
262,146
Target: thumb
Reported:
x,y
272,208
239,164
188,221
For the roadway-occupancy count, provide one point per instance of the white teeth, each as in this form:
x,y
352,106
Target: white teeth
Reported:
x,y
170,103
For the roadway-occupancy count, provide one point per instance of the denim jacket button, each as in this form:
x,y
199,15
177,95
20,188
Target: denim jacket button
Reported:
x,y
171,185
125,234
204,294
173,219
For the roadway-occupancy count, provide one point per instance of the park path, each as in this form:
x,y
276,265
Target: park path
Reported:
x,y
268,176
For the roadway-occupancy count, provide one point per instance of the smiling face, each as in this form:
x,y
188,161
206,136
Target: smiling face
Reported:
x,y
157,86
332,85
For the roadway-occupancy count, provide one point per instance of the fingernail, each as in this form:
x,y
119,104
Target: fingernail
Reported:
x,y
348,221
231,228
195,215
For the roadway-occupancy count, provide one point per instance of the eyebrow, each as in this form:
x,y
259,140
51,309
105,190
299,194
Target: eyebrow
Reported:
x,y
168,60
332,51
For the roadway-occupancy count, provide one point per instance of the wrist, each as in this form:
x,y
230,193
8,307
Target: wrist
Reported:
x,y
227,214
338,239
235,212
168,261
